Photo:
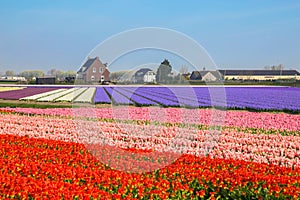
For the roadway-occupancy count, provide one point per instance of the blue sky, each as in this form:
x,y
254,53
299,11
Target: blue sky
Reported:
x,y
38,34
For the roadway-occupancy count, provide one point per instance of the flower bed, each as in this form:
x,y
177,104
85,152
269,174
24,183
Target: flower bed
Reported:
x,y
285,99
29,91
49,153
242,119
86,96
2,89
39,168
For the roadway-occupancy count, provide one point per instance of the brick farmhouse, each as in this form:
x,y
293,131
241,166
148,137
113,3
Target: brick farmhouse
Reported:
x,y
93,70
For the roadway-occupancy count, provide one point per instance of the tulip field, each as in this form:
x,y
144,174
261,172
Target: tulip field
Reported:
x,y
249,98
151,143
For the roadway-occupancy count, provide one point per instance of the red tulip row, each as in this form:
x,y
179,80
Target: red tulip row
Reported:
x,y
40,168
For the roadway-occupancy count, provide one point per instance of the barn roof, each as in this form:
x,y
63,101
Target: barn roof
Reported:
x,y
198,75
259,72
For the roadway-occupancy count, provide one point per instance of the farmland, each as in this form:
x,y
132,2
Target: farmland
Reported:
x,y
151,143
249,98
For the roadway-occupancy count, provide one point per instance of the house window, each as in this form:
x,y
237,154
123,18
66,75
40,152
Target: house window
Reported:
x,y
102,78
94,69
92,78
101,70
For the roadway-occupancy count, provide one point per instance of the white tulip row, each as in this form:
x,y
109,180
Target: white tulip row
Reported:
x,y
77,95
44,94
55,96
72,95
87,96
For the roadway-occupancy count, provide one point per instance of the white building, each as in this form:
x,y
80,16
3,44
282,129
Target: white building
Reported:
x,y
260,75
149,77
13,78
211,76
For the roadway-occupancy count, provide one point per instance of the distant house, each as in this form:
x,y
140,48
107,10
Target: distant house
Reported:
x,y
186,76
207,76
259,74
138,76
149,77
93,70
196,75
211,76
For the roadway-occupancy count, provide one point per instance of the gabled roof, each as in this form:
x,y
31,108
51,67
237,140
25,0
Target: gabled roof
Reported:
x,y
141,72
87,64
198,75
259,72
216,74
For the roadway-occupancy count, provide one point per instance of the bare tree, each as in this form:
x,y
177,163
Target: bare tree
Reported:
x,y
273,67
52,72
119,76
184,70
267,67
280,67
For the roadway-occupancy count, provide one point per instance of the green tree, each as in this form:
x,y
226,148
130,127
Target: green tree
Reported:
x,y
60,74
184,70
121,76
163,71
70,73
29,74
9,73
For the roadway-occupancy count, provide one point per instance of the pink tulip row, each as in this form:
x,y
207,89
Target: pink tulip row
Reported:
x,y
275,149
262,148
258,120
38,127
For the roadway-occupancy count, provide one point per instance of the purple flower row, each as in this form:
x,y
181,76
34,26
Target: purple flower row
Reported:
x,y
137,98
29,91
117,97
184,96
157,97
263,98
101,96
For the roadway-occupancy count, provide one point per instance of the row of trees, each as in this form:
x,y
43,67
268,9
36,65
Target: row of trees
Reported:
x,y
274,67
29,74
60,74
